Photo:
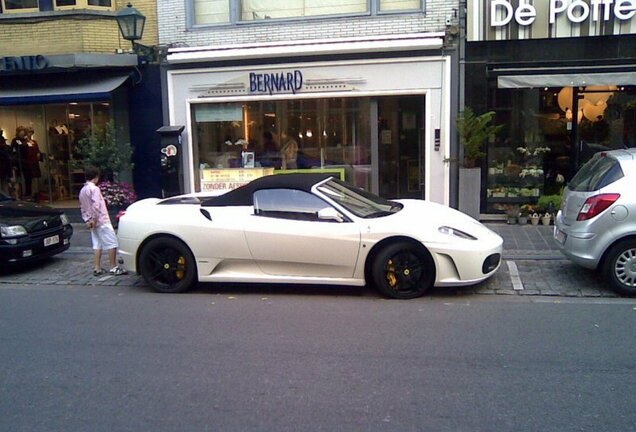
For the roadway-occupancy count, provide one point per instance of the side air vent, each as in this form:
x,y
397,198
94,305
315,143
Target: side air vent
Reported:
x,y
206,213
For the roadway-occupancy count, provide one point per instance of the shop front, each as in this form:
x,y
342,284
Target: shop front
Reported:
x,y
379,123
46,111
561,77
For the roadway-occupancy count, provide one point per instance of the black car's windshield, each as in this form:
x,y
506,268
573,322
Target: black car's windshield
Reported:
x,y
359,202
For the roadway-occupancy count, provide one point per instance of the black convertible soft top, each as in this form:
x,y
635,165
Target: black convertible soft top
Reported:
x,y
242,196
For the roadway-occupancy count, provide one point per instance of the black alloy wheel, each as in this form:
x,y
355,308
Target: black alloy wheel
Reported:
x,y
403,271
167,265
620,267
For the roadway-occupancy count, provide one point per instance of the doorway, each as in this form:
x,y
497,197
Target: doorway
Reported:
x,y
401,146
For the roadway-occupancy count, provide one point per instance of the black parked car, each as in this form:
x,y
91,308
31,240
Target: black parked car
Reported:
x,y
31,231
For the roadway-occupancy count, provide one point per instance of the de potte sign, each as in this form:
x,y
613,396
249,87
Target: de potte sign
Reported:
x,y
576,11
539,19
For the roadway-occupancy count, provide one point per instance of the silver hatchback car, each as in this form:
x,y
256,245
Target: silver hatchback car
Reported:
x,y
596,225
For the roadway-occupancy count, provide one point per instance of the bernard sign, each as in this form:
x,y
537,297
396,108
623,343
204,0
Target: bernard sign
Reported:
x,y
277,82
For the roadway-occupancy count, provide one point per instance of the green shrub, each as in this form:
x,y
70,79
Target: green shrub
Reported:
x,y
549,203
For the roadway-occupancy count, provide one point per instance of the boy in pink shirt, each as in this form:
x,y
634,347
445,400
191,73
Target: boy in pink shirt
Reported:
x,y
95,214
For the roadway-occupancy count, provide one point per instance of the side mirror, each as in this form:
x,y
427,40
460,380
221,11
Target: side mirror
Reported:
x,y
330,213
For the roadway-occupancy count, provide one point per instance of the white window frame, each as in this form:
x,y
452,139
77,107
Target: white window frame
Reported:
x,y
25,10
83,4
373,8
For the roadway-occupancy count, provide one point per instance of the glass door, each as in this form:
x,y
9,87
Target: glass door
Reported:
x,y
401,147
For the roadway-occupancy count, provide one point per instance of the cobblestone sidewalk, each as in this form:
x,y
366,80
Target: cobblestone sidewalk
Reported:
x,y
542,270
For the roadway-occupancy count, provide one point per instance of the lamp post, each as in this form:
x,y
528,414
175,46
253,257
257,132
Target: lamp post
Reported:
x,y
131,24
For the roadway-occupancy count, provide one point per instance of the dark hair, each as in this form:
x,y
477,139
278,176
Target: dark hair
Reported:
x,y
91,172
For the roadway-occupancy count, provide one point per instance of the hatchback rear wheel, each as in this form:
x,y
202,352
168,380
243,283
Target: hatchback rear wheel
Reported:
x,y
620,267
167,265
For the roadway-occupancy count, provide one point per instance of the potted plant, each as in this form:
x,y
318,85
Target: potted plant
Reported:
x,y
101,148
524,213
546,219
474,131
534,218
118,196
547,206
512,213
549,203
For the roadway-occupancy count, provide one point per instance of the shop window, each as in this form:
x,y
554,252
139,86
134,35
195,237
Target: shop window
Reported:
x,y
540,149
399,5
288,204
20,5
253,10
325,134
211,11
73,4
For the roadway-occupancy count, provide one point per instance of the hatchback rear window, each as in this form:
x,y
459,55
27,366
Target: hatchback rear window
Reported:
x,y
597,173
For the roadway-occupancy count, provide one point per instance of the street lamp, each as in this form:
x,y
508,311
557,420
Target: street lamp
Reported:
x,y
131,24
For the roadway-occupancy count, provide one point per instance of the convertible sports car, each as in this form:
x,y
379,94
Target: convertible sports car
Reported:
x,y
308,229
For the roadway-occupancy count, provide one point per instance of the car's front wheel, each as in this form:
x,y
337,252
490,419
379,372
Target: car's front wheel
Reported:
x,y
620,267
403,271
167,265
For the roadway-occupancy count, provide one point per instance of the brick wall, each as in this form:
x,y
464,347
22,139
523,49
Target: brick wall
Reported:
x,y
65,35
173,27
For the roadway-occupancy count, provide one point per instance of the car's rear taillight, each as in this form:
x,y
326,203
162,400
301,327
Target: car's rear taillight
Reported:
x,y
596,205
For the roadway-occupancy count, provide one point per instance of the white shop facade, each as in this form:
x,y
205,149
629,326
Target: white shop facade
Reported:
x,y
375,112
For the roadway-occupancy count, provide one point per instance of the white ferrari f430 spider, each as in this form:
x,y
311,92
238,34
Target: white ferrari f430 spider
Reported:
x,y
306,229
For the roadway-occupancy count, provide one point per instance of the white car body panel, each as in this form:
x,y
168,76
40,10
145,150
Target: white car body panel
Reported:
x,y
238,246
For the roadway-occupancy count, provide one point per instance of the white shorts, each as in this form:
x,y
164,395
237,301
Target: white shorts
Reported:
x,y
104,237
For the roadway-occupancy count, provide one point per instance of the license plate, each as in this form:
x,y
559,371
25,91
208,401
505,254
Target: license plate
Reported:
x,y
50,241
559,236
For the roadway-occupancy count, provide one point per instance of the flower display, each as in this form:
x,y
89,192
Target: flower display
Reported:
x,y
531,172
117,194
533,151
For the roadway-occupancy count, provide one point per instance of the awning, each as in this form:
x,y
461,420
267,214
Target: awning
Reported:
x,y
53,88
566,80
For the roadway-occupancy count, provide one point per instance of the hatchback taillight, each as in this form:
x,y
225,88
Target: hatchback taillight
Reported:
x,y
596,205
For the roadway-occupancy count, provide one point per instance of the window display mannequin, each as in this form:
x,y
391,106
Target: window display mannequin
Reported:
x,y
18,146
5,163
32,158
289,151
270,156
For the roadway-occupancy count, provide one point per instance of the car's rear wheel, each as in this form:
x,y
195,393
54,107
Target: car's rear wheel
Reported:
x,y
403,271
620,267
167,265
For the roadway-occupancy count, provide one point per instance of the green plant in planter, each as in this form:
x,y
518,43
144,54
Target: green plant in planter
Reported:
x,y
474,130
527,210
549,203
100,148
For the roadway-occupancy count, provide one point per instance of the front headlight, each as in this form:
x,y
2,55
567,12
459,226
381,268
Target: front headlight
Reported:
x,y
13,231
456,233
64,219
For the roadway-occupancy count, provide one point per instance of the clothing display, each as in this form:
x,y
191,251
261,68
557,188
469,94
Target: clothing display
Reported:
x,y
5,159
31,159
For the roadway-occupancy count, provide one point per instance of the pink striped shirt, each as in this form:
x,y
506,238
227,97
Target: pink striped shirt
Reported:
x,y
92,205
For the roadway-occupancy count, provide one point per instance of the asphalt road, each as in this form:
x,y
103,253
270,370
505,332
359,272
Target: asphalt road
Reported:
x,y
124,359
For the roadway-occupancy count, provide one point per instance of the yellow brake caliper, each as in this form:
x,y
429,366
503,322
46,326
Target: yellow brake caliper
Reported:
x,y
390,274
181,273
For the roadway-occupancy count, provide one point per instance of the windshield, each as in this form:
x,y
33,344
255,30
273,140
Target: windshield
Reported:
x,y
358,201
